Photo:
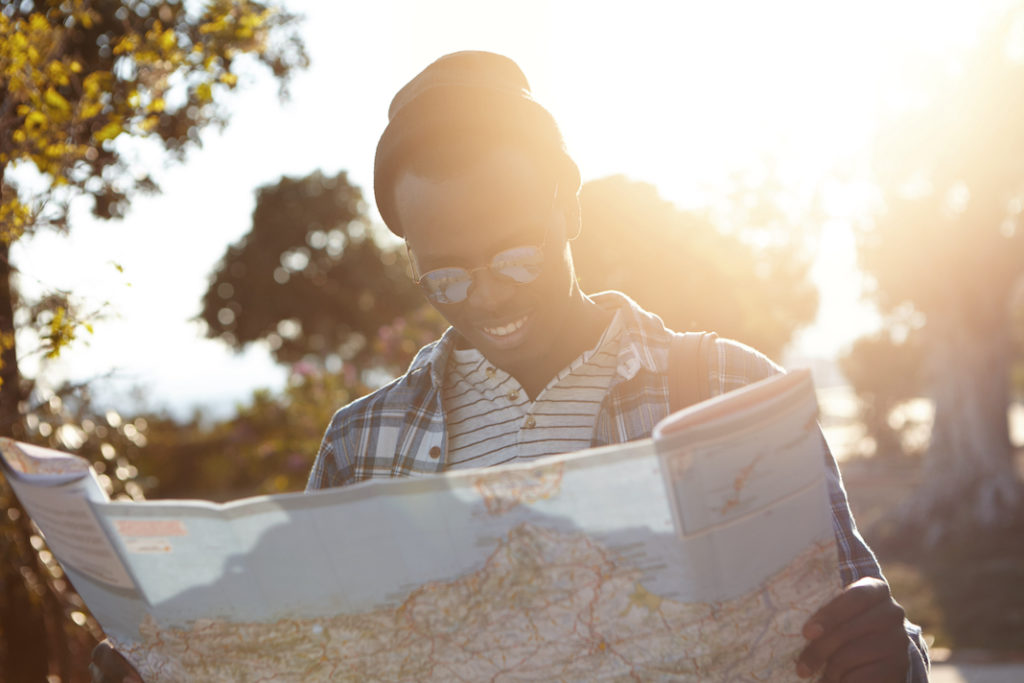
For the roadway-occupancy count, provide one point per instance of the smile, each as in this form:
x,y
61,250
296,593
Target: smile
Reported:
x,y
505,330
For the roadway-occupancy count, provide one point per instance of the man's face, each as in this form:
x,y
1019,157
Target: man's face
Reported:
x,y
497,204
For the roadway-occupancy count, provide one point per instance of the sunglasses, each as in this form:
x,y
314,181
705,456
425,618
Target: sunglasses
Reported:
x,y
451,285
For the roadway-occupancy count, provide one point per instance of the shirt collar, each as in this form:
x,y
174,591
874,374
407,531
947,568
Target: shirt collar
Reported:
x,y
434,357
645,338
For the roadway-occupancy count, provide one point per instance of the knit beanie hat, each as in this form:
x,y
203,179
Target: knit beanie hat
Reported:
x,y
478,96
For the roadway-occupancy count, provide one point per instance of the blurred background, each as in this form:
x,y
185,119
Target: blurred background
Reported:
x,y
193,276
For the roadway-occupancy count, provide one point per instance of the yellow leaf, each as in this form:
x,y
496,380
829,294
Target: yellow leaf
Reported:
x,y
127,44
254,20
204,92
108,132
76,66
54,99
95,83
35,121
228,78
58,73
92,109
213,26
168,40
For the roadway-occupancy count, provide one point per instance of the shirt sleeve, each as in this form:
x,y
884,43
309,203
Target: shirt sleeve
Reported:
x,y
330,467
321,474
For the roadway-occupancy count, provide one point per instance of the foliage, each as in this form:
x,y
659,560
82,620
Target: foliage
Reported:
x,y
78,75
680,266
309,278
946,249
80,78
266,447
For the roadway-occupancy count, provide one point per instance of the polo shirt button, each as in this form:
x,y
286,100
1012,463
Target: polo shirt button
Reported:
x,y
435,452
490,371
530,422
513,395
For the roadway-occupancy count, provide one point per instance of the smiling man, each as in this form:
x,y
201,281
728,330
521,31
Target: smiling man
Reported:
x,y
473,174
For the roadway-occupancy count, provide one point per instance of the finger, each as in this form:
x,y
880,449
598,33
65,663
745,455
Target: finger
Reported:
x,y
874,650
856,598
109,666
885,618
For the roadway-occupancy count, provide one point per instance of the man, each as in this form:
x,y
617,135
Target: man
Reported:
x,y
472,173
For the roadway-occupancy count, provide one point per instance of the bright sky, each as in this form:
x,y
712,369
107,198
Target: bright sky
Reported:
x,y
678,94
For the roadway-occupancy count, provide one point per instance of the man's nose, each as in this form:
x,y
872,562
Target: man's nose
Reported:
x,y
489,291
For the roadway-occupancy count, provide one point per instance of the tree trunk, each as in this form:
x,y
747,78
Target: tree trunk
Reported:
x,y
970,479
31,614
10,389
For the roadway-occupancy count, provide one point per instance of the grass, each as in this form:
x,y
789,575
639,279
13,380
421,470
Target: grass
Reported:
x,y
966,592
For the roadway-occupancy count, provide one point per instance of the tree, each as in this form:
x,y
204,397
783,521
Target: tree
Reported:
x,y
80,78
948,247
82,82
884,373
680,266
309,278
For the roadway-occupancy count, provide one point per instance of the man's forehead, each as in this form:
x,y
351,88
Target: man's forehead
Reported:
x,y
501,183
469,217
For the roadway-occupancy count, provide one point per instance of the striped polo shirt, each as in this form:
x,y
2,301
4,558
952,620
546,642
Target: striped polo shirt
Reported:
x,y
491,419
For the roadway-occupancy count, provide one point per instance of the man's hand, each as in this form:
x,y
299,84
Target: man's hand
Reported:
x,y
108,666
858,637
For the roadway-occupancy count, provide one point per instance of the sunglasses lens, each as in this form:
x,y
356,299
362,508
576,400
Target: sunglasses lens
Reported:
x,y
522,264
447,285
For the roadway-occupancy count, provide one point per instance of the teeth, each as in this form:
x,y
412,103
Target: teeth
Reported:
x,y
505,330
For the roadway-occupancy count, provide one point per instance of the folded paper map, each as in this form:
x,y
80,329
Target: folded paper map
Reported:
x,y
695,555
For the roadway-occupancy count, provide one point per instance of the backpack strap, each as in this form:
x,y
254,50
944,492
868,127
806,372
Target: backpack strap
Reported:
x,y
688,368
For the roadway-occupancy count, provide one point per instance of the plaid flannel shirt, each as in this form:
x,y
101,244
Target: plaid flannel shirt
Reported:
x,y
399,430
